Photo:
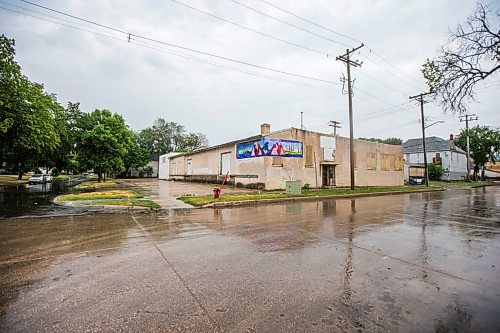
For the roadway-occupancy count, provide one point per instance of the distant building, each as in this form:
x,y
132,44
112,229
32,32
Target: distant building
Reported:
x,y
164,165
270,159
440,152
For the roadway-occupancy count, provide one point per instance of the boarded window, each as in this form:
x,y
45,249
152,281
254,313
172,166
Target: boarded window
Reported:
x,y
398,163
278,161
371,161
309,156
385,164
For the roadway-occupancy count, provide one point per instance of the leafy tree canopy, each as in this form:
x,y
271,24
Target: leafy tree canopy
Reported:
x,y
104,142
471,56
388,141
165,137
28,126
484,145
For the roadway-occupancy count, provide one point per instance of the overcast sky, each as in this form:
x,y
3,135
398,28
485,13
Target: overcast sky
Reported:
x,y
143,80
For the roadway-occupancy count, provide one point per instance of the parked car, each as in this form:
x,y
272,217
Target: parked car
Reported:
x,y
36,179
40,179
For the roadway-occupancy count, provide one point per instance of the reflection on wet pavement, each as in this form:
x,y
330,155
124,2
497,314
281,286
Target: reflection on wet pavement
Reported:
x,y
414,262
36,200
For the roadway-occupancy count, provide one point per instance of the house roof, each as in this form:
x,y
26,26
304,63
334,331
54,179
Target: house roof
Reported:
x,y
432,143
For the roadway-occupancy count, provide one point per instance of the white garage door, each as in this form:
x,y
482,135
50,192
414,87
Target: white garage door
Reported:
x,y
225,161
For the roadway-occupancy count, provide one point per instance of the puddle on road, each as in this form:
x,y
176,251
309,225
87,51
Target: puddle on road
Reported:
x,y
417,262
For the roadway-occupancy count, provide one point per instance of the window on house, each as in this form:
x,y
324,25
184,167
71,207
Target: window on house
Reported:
x,y
278,161
309,156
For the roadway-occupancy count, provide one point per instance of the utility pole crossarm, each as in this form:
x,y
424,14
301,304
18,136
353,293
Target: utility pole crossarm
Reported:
x,y
420,98
345,58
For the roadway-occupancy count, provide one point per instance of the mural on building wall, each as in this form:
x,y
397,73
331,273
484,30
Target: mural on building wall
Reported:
x,y
269,147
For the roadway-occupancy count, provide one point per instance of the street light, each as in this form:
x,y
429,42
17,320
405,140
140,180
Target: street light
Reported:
x,y
434,123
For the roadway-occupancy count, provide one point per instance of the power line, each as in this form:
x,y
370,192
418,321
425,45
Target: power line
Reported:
x,y
289,24
345,36
170,44
310,22
392,65
247,28
62,24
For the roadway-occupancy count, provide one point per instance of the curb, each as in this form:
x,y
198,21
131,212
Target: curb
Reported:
x,y
310,198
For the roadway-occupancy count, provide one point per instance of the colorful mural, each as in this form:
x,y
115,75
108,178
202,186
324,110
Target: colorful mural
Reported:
x,y
269,147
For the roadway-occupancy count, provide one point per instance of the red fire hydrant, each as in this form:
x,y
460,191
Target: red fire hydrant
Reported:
x,y
216,192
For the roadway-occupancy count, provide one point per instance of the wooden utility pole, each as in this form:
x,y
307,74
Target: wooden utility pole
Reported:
x,y
420,98
335,124
345,58
468,117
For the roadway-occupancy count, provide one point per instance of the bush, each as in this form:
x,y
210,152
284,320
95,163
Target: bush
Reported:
x,y
435,172
306,186
55,172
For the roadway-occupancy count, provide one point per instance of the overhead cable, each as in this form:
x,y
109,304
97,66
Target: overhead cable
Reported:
x,y
129,35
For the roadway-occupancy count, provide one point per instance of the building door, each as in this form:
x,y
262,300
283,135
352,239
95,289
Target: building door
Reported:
x,y
225,161
328,175
190,167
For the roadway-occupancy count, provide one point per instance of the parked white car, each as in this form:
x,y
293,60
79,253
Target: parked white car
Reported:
x,y
40,179
36,179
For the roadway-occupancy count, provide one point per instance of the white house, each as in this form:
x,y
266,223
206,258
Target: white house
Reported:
x,y
439,151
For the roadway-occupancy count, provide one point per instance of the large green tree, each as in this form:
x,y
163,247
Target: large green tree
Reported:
x,y
165,137
484,146
471,55
28,126
103,143
136,156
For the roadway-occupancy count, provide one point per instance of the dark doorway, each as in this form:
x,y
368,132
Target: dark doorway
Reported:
x,y
328,175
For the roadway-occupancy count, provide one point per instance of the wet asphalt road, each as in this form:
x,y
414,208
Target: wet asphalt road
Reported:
x,y
422,262
37,200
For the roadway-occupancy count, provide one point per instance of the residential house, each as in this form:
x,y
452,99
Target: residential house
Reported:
x,y
440,152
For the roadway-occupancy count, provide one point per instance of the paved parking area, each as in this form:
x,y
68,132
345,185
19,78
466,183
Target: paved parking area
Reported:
x,y
165,192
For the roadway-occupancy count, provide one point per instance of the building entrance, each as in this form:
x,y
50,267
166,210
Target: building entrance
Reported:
x,y
328,175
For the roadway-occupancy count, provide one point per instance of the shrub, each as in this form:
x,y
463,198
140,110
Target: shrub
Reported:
x,y
306,186
435,172
55,172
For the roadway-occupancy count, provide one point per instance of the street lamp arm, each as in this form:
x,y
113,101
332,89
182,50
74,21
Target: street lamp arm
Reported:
x,y
434,123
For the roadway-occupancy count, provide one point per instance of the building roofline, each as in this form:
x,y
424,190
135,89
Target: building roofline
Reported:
x,y
254,137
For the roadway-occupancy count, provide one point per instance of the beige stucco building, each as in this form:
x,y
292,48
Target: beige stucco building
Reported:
x,y
270,159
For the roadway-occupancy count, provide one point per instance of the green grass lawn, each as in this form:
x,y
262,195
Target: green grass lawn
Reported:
x,y
95,184
112,198
124,202
205,200
100,195
12,179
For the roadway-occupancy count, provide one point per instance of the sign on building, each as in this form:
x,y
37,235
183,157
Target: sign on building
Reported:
x,y
269,147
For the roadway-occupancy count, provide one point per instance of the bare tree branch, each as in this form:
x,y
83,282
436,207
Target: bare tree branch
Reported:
x,y
471,55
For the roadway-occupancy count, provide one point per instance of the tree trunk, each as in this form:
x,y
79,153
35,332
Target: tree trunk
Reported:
x,y
20,174
99,175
